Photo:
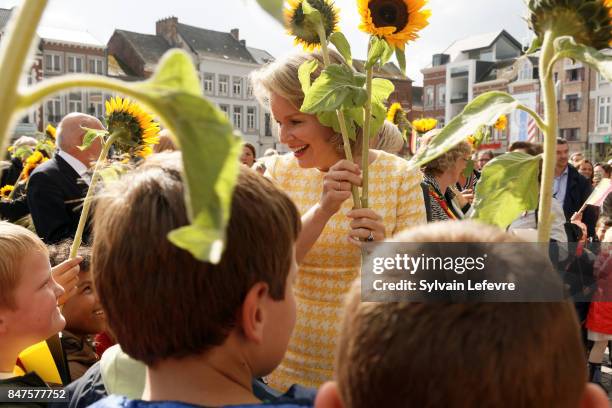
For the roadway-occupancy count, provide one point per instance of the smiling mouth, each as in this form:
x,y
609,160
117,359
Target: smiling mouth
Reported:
x,y
99,312
300,151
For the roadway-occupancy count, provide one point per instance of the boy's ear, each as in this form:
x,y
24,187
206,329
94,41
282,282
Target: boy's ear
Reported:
x,y
328,396
594,397
253,312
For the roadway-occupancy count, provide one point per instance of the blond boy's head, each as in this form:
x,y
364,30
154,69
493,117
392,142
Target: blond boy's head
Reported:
x,y
28,293
460,354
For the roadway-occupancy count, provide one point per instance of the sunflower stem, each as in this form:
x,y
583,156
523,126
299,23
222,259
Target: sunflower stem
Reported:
x,y
365,143
78,236
346,142
550,136
12,193
14,51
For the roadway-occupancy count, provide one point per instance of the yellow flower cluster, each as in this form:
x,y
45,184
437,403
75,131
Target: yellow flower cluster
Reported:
x,y
33,161
138,130
393,113
502,123
424,125
5,191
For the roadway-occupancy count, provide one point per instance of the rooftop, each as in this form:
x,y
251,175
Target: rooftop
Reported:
x,y
214,43
261,56
477,42
68,36
148,46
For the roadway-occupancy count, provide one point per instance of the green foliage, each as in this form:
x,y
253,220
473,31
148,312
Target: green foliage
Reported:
x,y
210,152
342,45
566,47
401,59
304,72
508,182
483,110
90,136
379,52
337,86
22,152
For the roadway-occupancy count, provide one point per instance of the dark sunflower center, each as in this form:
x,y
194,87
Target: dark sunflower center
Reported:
x,y
389,13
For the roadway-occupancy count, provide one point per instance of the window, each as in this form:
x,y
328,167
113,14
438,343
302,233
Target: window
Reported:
x,y
441,95
209,83
268,124
223,84
573,103
575,74
53,63
54,110
225,109
440,123
571,135
75,102
250,117
96,109
96,66
555,77
429,96
238,117
75,64
603,113
526,71
249,90
601,79
237,87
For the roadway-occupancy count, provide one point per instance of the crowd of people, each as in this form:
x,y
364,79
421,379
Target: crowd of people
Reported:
x,y
279,320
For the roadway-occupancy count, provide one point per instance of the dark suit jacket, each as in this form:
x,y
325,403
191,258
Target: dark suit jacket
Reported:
x,y
577,191
55,198
11,173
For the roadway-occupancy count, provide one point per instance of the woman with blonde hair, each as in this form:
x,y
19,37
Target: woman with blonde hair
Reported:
x,y
318,178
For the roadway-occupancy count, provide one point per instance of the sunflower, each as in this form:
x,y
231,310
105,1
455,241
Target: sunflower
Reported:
x,y
32,162
588,21
136,129
424,125
502,123
394,112
397,21
304,32
5,191
50,131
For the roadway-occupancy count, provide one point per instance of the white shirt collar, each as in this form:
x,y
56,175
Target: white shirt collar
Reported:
x,y
75,163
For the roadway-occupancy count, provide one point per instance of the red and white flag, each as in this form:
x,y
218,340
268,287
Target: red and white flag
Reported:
x,y
532,130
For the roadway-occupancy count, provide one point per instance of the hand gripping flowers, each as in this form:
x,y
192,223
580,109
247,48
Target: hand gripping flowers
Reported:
x,y
132,131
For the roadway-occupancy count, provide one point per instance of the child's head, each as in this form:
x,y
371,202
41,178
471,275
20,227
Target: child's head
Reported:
x,y
440,354
161,302
28,293
82,311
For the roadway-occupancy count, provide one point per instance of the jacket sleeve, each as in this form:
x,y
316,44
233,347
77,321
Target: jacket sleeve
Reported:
x,y
590,214
48,208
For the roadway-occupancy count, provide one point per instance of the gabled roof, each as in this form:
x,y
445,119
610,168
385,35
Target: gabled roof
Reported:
x,y
477,42
261,56
68,36
5,15
149,47
214,43
118,69
389,70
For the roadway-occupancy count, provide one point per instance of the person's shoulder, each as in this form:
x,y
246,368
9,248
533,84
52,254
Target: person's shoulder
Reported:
x,y
280,164
396,166
49,167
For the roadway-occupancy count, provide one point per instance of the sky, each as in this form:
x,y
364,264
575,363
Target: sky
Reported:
x,y
451,20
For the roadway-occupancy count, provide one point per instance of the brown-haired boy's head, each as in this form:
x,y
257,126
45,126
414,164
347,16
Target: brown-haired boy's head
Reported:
x,y
191,306
441,354
28,293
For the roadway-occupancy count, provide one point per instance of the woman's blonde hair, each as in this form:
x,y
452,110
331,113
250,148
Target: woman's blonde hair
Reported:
x,y
281,77
441,164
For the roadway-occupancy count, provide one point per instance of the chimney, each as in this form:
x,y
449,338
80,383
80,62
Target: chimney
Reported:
x,y
243,42
235,33
167,28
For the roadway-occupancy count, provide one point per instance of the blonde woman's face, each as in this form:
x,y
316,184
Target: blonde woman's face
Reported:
x,y
304,135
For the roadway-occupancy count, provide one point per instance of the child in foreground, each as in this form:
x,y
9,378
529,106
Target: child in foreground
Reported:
x,y
203,330
440,354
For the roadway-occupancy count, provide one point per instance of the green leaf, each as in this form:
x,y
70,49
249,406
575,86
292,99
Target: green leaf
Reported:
x,y
342,45
536,44
387,54
90,136
22,153
566,47
469,168
312,16
508,182
353,117
381,89
401,59
210,152
338,85
304,72
483,110
274,8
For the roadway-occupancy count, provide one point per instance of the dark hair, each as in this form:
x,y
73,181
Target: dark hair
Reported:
x,y
561,141
60,252
528,147
191,306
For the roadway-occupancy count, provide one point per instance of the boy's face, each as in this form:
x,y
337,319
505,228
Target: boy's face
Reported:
x,y
37,315
83,311
280,325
